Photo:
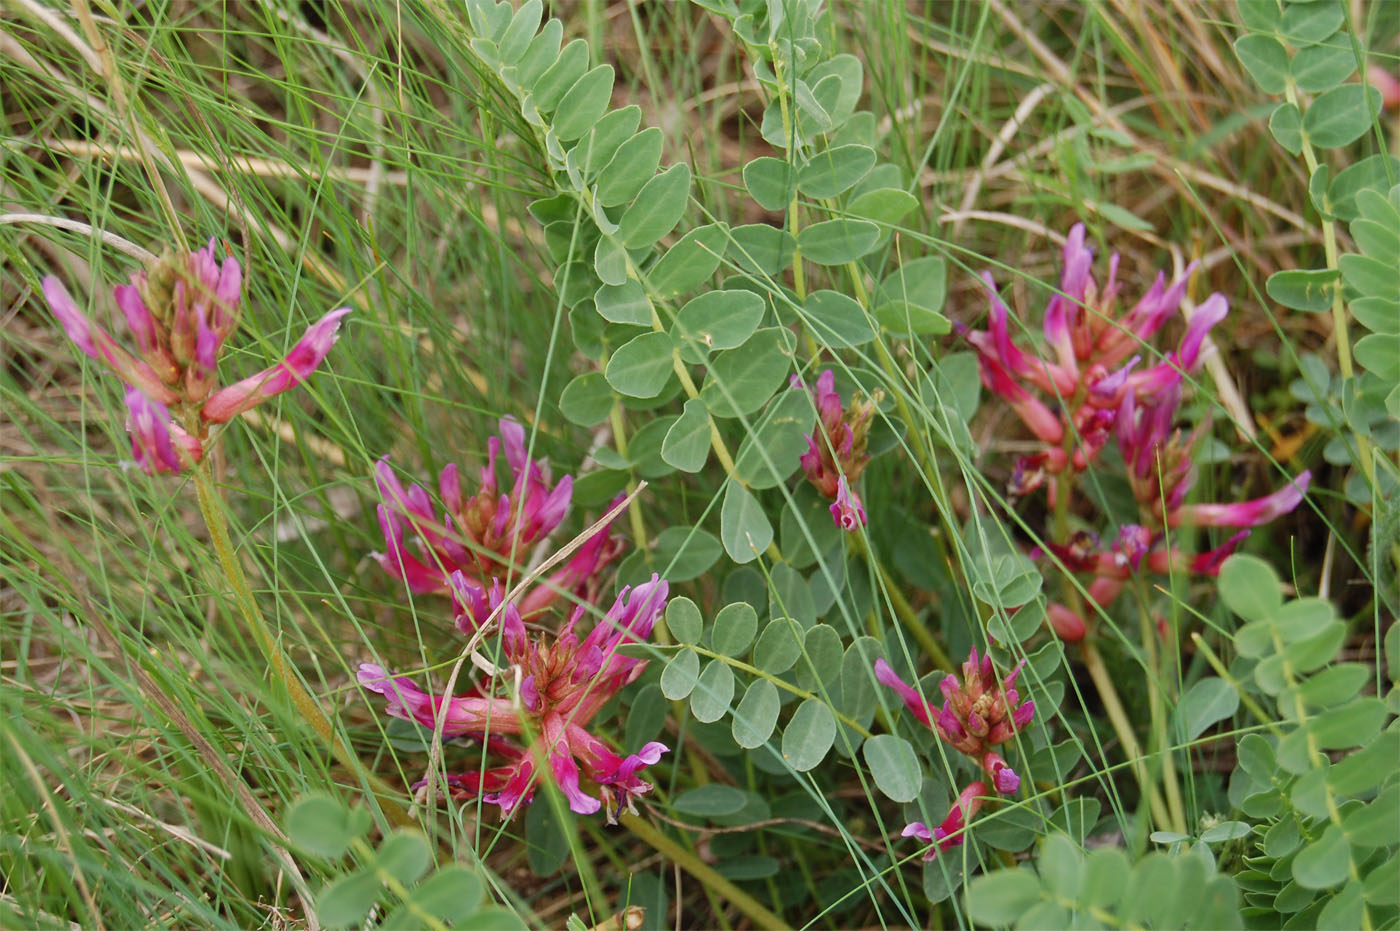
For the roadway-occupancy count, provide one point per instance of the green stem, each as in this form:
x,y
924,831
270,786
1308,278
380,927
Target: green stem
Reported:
x,y
1113,705
707,876
903,610
282,670
1148,633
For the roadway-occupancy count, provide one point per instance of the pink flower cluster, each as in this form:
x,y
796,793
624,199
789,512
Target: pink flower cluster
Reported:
x,y
835,455
482,535
180,311
1095,391
979,713
541,726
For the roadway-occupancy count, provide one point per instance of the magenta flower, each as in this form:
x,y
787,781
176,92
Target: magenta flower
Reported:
x,y
1070,399
563,682
180,311
158,444
483,535
979,712
835,455
954,827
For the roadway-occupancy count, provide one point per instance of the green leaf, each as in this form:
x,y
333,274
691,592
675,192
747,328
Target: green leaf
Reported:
x,y
658,208
1382,884
450,894
768,181
744,528
600,144
710,699
1225,831
773,450
641,367
1324,862
734,628
687,443
1378,240
1061,864
1206,703
1266,60
688,263
858,698
631,167
850,74
1319,68
716,320
516,39
680,675
347,900
820,670
1303,289
837,321
1001,898
685,553
809,735
1249,587
560,76
1259,15
1286,124
683,620
1310,23
838,169
1106,871
711,801
1334,685
886,206
909,299
1351,725
1343,910
491,918
778,647
1377,822
324,826
894,766
761,249
1342,115
1373,277
836,242
610,264
405,856
741,380
756,715
624,303
1375,173
584,104
542,52
586,400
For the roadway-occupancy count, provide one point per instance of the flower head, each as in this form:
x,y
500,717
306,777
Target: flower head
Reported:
x,y
836,455
563,682
485,534
980,711
180,310
953,829
1071,397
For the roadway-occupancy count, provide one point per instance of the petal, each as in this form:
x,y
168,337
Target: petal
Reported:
x,y
156,441
75,323
885,675
1244,513
138,315
306,355
847,511
462,715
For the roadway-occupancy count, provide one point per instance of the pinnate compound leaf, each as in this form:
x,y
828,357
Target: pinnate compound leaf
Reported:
x,y
658,207
894,765
809,735
641,367
757,715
